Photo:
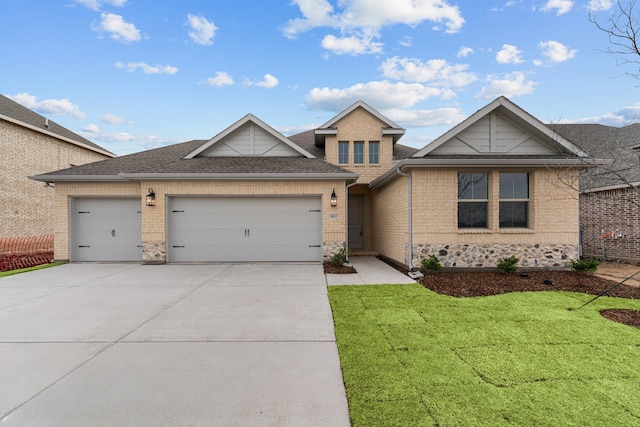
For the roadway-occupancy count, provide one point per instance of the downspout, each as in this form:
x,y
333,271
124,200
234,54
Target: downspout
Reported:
x,y
346,222
412,272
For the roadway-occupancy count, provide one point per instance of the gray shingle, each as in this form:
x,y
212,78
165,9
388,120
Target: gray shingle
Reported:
x,y
22,114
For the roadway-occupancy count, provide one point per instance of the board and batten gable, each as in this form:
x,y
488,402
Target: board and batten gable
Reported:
x,y
250,140
495,134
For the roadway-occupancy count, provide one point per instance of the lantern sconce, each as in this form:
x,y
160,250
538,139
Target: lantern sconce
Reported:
x,y
334,198
151,198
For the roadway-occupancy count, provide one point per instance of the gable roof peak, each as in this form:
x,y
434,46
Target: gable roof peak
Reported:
x,y
514,113
248,119
360,104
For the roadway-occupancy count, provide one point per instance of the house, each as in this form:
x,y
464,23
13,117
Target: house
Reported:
x,y
31,145
491,187
609,193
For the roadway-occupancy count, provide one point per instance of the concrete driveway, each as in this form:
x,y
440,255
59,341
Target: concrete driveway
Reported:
x,y
169,345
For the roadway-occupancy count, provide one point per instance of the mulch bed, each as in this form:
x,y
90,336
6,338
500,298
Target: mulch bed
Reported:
x,y
332,268
484,283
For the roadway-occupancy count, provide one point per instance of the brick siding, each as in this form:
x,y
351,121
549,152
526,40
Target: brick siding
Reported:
x,y
610,224
26,206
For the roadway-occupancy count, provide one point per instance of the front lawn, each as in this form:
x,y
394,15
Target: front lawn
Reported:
x,y
412,357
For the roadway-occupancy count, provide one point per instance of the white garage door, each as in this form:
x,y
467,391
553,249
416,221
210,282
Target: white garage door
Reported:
x,y
106,230
228,229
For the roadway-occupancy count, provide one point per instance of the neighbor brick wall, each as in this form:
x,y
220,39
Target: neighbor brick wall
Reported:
x,y
26,206
361,126
610,224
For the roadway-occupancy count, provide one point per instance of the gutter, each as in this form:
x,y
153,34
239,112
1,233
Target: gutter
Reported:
x,y
412,273
129,177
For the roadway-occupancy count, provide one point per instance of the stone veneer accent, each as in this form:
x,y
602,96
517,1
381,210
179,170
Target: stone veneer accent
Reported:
x,y
488,255
154,252
330,248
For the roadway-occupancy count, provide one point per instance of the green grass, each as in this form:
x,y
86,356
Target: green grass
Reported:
x,y
411,357
24,270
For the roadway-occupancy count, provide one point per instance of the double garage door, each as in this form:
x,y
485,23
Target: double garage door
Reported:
x,y
201,229
228,229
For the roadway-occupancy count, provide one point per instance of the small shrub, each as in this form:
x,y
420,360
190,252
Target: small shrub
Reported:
x,y
430,265
508,265
339,257
585,265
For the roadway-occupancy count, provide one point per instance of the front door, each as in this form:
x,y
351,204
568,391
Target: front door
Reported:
x,y
356,222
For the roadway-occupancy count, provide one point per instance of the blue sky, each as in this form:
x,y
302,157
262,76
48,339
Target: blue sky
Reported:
x,y
132,75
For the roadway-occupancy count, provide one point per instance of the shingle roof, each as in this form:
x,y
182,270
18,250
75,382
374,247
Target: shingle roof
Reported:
x,y
606,142
169,160
19,113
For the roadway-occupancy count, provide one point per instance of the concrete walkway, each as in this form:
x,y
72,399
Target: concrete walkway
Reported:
x,y
169,345
370,271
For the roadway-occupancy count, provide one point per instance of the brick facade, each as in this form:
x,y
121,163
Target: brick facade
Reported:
x,y
26,206
154,220
551,240
610,224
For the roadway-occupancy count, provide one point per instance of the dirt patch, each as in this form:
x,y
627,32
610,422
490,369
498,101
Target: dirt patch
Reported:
x,y
332,268
620,315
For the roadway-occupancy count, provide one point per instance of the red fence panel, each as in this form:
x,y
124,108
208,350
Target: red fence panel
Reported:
x,y
24,252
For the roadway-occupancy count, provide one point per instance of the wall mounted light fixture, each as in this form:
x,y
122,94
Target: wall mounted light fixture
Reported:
x,y
151,198
334,198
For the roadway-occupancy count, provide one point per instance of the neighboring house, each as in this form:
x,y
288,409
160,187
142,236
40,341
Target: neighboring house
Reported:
x,y
609,193
30,145
491,187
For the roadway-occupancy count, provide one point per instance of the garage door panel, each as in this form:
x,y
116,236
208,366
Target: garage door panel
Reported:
x,y
245,229
106,230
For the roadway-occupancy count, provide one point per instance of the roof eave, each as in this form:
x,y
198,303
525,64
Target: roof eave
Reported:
x,y
471,163
239,176
55,135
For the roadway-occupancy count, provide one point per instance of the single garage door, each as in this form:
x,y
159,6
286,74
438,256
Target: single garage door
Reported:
x,y
229,229
106,230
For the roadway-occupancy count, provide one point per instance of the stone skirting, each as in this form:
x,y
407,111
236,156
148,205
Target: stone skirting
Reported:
x,y
330,248
154,252
487,256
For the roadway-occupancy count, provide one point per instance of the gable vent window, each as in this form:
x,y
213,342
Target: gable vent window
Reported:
x,y
358,152
514,200
473,200
343,152
374,152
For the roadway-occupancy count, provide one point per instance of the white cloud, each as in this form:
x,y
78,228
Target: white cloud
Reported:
x,y
598,5
120,30
360,21
353,45
406,41
555,51
509,54
113,119
560,6
426,118
269,82
464,52
125,143
202,31
91,128
147,69
622,117
382,94
511,85
220,79
434,71
56,107
97,4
